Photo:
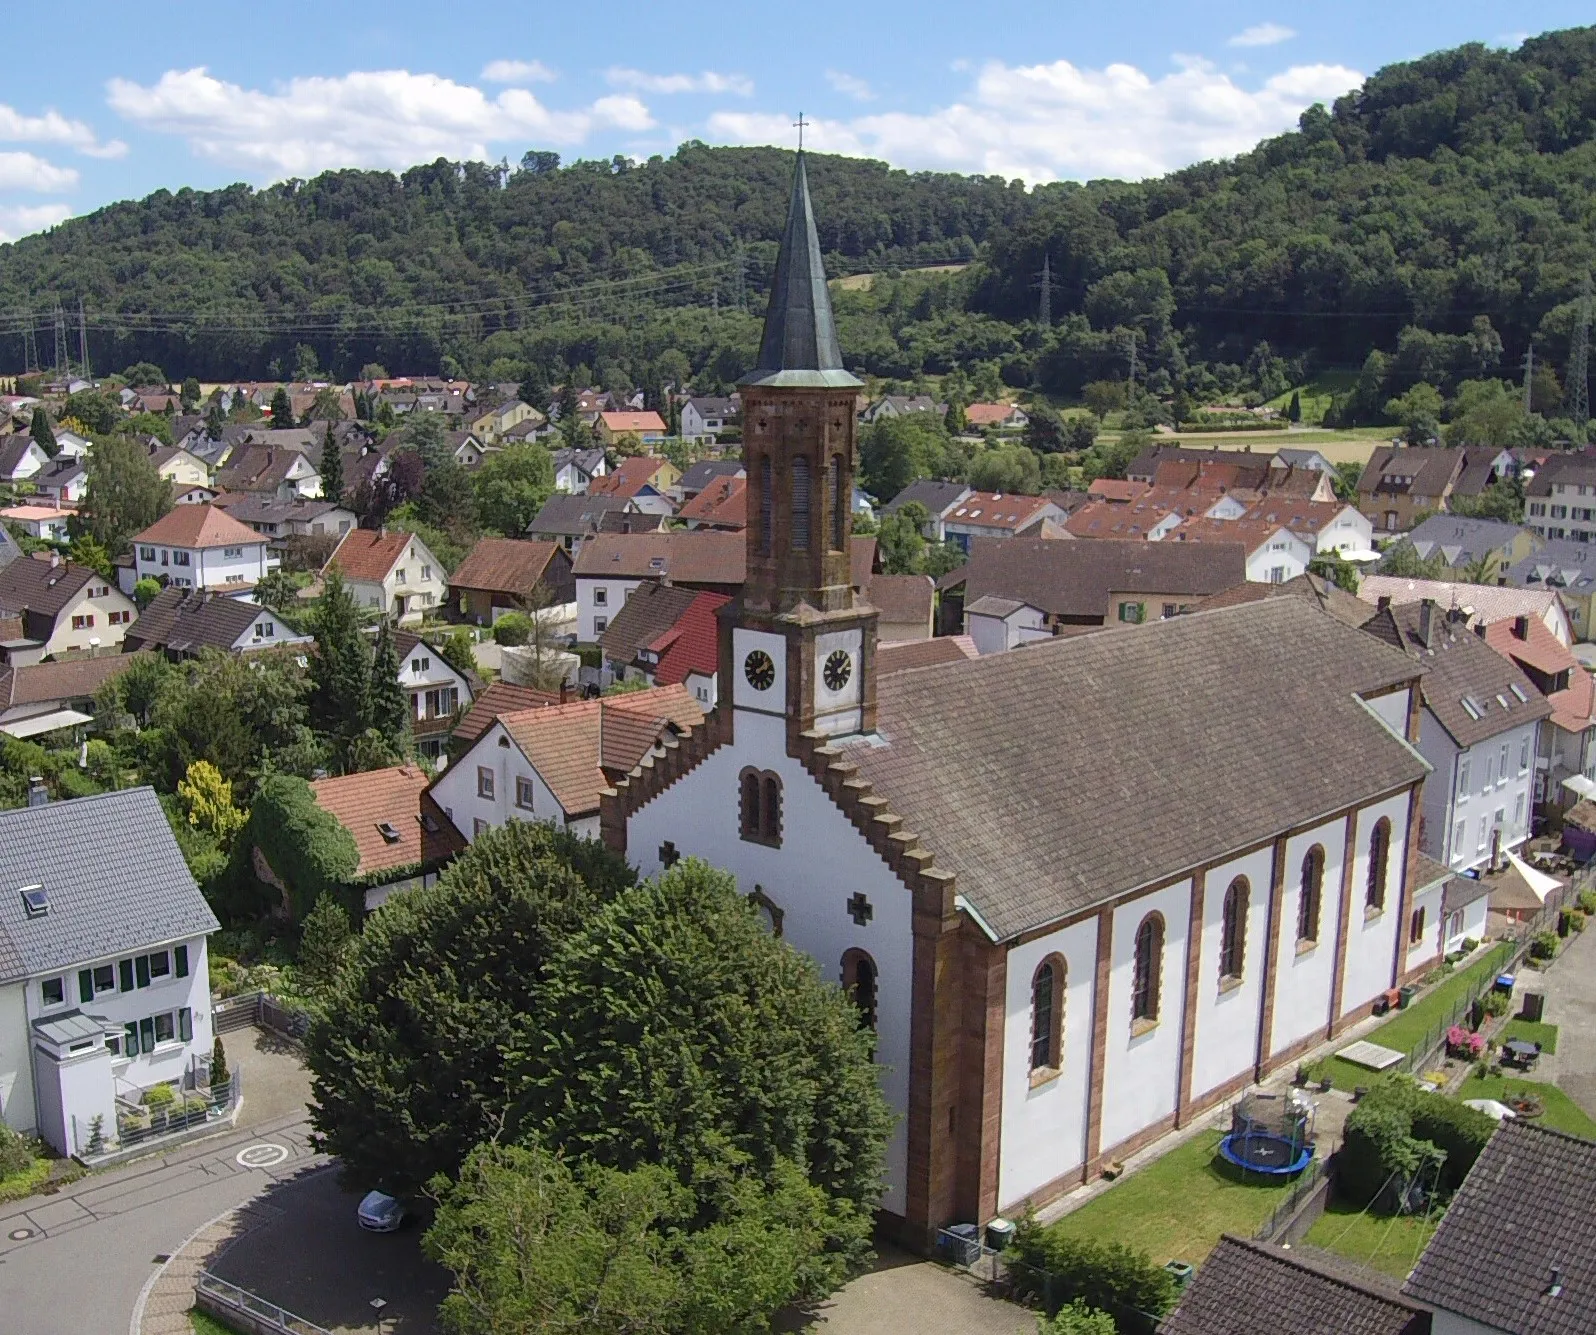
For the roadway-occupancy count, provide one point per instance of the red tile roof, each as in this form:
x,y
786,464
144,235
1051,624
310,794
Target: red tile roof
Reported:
x,y
692,644
996,509
702,557
907,654
1573,707
723,503
1117,489
630,476
369,554
644,421
504,565
499,697
988,414
198,526
395,797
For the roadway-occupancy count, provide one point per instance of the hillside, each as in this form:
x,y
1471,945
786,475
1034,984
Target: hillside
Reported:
x,y
1444,213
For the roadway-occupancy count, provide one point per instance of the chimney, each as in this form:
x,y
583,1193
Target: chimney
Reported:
x,y
55,560
38,794
1521,626
1382,603
1479,629
1427,622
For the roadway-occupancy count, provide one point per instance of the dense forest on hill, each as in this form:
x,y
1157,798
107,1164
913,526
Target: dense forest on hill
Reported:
x,y
1441,218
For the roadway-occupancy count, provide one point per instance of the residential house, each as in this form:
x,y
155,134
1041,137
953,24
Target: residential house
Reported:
x,y
610,566
699,475
438,692
1560,498
648,427
178,466
571,520
554,763
1275,553
21,458
666,639
393,572
996,417
467,448
1248,1286
497,697
996,625
183,623
70,445
279,520
1289,457
189,493
1479,729
643,480
723,504
1084,584
1465,913
996,514
66,608
900,405
200,547
904,605
708,415
490,423
63,483
1313,589
269,470
1565,760
45,522
940,499
1511,1254
39,698
1567,567
502,575
574,470
632,521
1117,491
1329,526
648,613
104,979
1251,469
1490,546
403,837
1478,602
1402,481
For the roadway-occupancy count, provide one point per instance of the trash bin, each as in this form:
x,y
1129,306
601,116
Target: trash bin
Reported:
x,y
999,1233
961,1244
1179,1271
1405,997
1534,1005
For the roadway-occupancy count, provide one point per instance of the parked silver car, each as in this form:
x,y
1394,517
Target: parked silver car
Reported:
x,y
380,1213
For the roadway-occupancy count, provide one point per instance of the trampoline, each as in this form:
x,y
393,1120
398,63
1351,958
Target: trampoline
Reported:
x,y
1270,1134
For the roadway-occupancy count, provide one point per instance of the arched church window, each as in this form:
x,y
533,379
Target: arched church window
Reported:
x,y
860,981
1233,931
840,504
1379,855
770,810
759,806
1047,1015
1149,970
1310,896
800,504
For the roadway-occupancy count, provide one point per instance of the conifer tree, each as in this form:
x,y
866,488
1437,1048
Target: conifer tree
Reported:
x,y
1294,412
41,431
282,408
387,710
324,944
332,468
340,669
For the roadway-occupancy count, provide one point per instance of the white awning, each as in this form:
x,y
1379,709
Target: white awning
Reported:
x,y
1538,881
1361,558
43,723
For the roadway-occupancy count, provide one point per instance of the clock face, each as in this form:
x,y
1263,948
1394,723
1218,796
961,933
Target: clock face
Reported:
x,y
759,670
838,668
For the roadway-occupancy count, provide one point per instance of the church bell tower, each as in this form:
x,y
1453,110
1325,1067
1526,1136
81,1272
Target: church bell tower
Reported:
x,y
799,643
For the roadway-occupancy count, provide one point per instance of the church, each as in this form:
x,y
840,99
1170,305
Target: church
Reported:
x,y
1083,891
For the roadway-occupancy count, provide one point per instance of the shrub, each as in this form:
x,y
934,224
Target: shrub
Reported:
x,y
1471,944
1495,1003
1106,1275
1571,920
1396,1128
15,1156
158,1097
512,628
1543,946
1587,901
1077,1319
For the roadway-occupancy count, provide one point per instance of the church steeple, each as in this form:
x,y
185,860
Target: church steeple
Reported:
x,y
800,348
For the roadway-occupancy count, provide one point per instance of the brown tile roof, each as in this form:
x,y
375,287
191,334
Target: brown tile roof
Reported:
x,y
395,797
499,697
901,598
1041,777
723,502
66,679
369,554
630,476
1572,707
1117,489
1327,596
1459,666
996,509
861,561
1254,1288
705,557
1513,1250
198,526
1076,578
42,588
651,610
988,414
504,565
564,743
908,654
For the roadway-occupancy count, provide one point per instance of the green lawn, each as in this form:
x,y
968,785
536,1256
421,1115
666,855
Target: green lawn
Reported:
x,y
1532,1031
205,1324
25,1183
1562,1113
1316,395
1391,1243
1176,1209
1407,1029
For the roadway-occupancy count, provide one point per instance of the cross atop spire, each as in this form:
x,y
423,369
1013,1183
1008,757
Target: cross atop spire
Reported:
x,y
800,346
799,125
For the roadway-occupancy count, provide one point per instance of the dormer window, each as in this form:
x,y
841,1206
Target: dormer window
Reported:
x,y
35,901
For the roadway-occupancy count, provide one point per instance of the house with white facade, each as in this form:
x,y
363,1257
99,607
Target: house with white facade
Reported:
x,y
21,458
438,692
66,609
392,572
1565,759
574,470
200,547
1275,553
184,623
997,625
939,498
1479,728
610,565
996,514
1065,943
104,983
45,522
64,482
707,415
553,763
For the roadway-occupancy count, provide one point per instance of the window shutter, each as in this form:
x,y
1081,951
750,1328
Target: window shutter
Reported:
x,y
141,967
180,955
185,1024
130,1045
86,984
147,1033
126,969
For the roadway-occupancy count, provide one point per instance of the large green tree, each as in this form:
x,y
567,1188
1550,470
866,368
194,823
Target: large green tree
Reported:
x,y
387,710
125,494
895,451
41,431
340,669
282,408
511,486
332,469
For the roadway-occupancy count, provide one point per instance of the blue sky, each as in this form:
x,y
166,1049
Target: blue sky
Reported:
x,y
125,100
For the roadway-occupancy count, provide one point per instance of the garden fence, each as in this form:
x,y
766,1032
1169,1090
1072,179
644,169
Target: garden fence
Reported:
x,y
1307,1182
262,1010
194,1110
236,1306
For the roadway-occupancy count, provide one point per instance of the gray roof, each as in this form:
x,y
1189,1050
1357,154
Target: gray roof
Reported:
x,y
700,475
1461,891
1296,458
1560,564
1248,1288
1513,1251
991,605
69,1027
800,348
1570,468
575,515
12,448
259,508
935,495
185,621
1462,540
1043,778
115,879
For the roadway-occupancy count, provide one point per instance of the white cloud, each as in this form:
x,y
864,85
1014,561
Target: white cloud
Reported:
x,y
20,219
1263,34
517,72
54,128
707,82
28,171
1045,122
376,118
850,85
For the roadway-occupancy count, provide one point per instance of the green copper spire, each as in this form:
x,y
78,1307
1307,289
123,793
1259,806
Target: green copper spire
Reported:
x,y
800,349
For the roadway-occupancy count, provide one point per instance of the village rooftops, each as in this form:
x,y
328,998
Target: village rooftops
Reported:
x,y
43,588
700,475
1566,683
997,509
1479,602
499,697
1054,793
61,679
723,503
1460,540
1562,564
196,527
685,558
369,554
187,621
935,495
506,565
1313,589
394,821
692,645
648,613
